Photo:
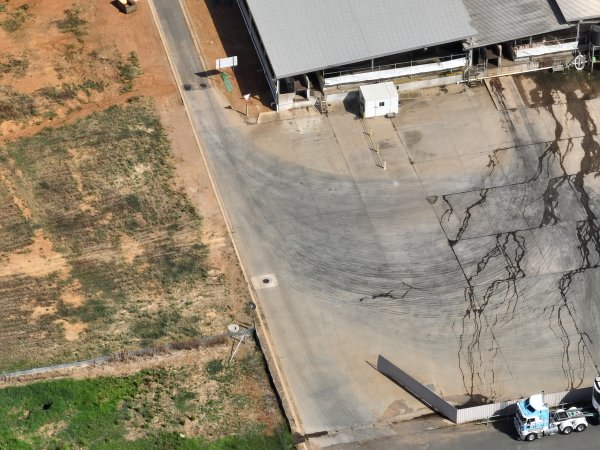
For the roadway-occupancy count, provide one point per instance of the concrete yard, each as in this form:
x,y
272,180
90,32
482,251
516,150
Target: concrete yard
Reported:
x,y
471,262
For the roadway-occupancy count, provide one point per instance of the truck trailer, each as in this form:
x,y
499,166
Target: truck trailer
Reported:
x,y
534,419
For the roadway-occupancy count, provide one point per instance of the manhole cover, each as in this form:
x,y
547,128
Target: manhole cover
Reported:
x,y
264,281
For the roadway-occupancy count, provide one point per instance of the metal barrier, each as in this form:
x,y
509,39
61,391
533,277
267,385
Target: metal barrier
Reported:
x,y
474,413
420,391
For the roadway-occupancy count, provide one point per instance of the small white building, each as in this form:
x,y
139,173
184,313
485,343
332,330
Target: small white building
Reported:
x,y
378,99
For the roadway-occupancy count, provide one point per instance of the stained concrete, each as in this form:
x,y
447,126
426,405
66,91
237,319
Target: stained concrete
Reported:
x,y
472,261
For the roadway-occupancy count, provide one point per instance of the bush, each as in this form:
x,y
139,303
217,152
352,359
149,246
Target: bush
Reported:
x,y
16,19
128,71
15,106
14,65
73,23
59,94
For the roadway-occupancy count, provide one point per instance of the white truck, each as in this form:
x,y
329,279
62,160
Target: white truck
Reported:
x,y
534,419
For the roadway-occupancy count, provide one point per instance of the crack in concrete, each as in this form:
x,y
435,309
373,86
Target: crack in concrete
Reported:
x,y
511,248
588,234
390,294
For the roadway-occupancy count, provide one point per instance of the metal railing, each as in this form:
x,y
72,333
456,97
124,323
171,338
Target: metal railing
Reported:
x,y
401,65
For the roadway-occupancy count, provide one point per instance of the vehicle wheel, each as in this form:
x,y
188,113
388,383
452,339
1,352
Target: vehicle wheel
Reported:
x,y
530,437
581,427
567,430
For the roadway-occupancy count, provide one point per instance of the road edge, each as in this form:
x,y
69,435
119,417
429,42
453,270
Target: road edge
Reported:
x,y
262,332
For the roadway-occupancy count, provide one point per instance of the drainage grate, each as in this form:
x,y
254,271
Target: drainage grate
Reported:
x,y
264,281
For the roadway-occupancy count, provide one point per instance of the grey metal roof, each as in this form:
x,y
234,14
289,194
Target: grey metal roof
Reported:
x,y
575,10
302,36
499,21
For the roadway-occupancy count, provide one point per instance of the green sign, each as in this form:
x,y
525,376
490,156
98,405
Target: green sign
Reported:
x,y
227,82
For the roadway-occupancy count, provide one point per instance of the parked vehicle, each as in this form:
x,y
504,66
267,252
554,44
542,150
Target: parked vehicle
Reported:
x,y
534,419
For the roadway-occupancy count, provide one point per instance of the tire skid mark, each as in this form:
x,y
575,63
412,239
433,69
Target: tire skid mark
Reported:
x,y
562,318
510,248
588,235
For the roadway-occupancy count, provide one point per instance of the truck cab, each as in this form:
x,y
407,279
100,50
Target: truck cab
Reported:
x,y
596,394
532,418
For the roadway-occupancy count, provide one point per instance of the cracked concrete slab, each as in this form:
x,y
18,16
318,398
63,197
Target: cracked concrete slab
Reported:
x,y
495,301
447,263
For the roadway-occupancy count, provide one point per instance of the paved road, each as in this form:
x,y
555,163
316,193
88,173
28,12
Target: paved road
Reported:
x,y
183,52
270,205
476,437
480,237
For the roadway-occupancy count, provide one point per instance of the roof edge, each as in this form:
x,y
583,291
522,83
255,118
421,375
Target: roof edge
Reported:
x,y
277,76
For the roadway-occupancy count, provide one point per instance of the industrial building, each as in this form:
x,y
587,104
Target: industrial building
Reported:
x,y
308,47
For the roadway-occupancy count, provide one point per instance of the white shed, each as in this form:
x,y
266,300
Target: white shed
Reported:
x,y
378,99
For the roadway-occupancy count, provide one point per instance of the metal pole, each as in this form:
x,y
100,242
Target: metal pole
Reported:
x,y
243,339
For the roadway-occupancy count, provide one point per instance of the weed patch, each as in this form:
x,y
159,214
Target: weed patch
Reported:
x,y
14,105
16,19
16,231
153,327
16,66
96,85
73,23
67,91
128,71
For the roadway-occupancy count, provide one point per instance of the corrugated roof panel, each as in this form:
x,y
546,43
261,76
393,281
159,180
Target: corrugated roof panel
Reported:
x,y
500,21
306,35
575,10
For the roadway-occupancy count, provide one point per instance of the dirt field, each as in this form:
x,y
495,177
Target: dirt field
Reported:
x,y
101,248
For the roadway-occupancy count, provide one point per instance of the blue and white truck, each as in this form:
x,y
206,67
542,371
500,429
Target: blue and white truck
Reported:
x,y
534,419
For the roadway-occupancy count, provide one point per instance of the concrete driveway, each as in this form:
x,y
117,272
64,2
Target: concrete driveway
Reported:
x,y
471,262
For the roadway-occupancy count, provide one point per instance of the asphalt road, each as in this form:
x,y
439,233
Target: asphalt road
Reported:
x,y
476,437
478,239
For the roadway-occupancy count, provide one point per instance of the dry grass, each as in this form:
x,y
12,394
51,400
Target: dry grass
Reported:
x,y
101,191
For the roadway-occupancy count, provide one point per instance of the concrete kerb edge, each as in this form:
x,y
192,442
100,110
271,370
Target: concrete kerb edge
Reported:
x,y
270,356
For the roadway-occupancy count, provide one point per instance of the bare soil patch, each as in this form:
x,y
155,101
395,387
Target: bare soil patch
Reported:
x,y
37,259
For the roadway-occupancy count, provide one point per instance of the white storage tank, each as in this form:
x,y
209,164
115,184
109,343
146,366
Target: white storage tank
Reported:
x,y
378,99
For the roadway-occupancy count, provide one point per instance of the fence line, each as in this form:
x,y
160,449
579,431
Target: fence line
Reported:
x,y
204,341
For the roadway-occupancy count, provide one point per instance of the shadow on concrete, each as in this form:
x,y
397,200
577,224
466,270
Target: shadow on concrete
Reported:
x,y
236,41
208,73
506,427
351,104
